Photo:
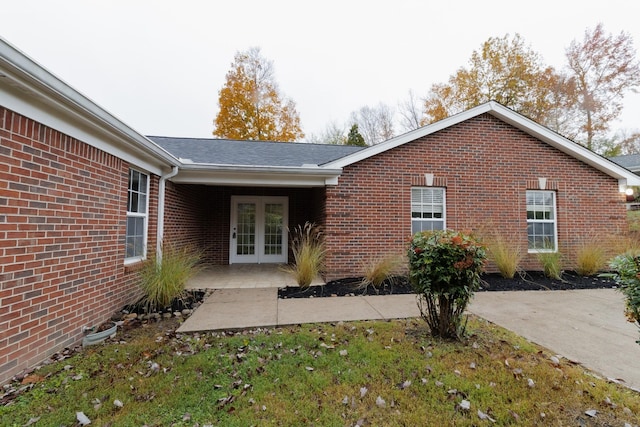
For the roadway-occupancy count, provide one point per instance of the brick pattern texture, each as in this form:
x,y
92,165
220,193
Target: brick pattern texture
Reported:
x,y
62,229
486,166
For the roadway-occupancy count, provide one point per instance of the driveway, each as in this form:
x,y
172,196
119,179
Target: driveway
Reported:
x,y
586,326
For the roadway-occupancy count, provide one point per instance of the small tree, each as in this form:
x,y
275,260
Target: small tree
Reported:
x,y
355,138
444,270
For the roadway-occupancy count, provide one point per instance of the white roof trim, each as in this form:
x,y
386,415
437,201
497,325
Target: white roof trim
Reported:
x,y
31,90
509,116
262,176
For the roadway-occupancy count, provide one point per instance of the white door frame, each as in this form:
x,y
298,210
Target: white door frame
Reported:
x,y
259,256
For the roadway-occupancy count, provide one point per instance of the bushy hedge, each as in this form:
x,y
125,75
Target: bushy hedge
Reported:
x,y
444,270
627,275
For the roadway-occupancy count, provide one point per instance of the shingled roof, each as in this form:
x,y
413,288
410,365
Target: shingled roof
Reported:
x,y
251,153
631,161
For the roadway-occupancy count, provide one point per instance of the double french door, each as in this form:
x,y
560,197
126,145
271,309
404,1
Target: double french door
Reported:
x,y
258,229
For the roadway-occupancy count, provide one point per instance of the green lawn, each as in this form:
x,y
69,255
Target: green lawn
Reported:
x,y
324,375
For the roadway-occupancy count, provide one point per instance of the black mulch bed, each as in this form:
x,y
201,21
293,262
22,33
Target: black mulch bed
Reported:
x,y
190,300
528,281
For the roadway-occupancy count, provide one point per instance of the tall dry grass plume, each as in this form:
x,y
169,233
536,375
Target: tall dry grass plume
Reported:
x,y
505,253
591,256
162,282
377,270
307,245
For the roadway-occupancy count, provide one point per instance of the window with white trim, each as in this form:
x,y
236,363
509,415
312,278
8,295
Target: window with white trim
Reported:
x,y
137,201
427,209
541,221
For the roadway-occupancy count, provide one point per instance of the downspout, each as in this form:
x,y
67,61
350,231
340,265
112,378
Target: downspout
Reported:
x,y
160,226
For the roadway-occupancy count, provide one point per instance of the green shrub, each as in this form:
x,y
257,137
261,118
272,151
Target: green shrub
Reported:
x,y
505,254
379,269
551,264
591,256
444,270
164,281
307,245
627,275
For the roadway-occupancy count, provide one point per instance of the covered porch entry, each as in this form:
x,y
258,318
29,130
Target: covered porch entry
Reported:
x,y
238,227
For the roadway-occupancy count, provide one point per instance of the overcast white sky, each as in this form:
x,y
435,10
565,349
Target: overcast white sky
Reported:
x,y
158,65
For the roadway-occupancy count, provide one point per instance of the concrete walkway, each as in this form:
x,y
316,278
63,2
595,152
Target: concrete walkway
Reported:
x,y
586,326
258,307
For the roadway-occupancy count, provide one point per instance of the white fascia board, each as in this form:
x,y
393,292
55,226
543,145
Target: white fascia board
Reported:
x,y
565,145
256,176
32,91
509,116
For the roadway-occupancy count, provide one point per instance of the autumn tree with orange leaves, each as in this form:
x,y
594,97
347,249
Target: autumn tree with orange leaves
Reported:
x,y
251,106
503,70
579,102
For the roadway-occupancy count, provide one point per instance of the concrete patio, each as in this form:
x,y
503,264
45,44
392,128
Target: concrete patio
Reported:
x,y
243,276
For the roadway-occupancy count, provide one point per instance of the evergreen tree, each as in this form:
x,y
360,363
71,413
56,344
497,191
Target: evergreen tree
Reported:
x,y
354,137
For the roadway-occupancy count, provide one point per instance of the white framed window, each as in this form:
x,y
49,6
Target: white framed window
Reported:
x,y
541,221
137,216
427,209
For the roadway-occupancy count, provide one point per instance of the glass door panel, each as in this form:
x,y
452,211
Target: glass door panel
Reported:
x,y
258,229
246,234
273,228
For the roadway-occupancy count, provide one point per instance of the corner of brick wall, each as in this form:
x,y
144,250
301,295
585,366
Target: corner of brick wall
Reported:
x,y
62,227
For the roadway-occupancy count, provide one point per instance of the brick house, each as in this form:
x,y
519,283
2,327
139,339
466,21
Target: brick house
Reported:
x,y
486,168
84,199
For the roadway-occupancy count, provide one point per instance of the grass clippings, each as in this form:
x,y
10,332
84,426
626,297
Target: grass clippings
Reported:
x,y
343,374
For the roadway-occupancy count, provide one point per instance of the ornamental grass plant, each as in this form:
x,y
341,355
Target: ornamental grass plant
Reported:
x,y
307,245
551,264
378,270
444,270
164,281
591,256
504,253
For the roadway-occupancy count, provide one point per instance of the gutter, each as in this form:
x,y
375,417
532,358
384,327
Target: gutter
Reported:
x,y
160,223
293,170
19,71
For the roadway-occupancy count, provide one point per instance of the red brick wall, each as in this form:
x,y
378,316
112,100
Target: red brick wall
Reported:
x,y
183,215
486,166
62,228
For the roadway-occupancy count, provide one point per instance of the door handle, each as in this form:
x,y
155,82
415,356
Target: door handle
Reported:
x,y
233,236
